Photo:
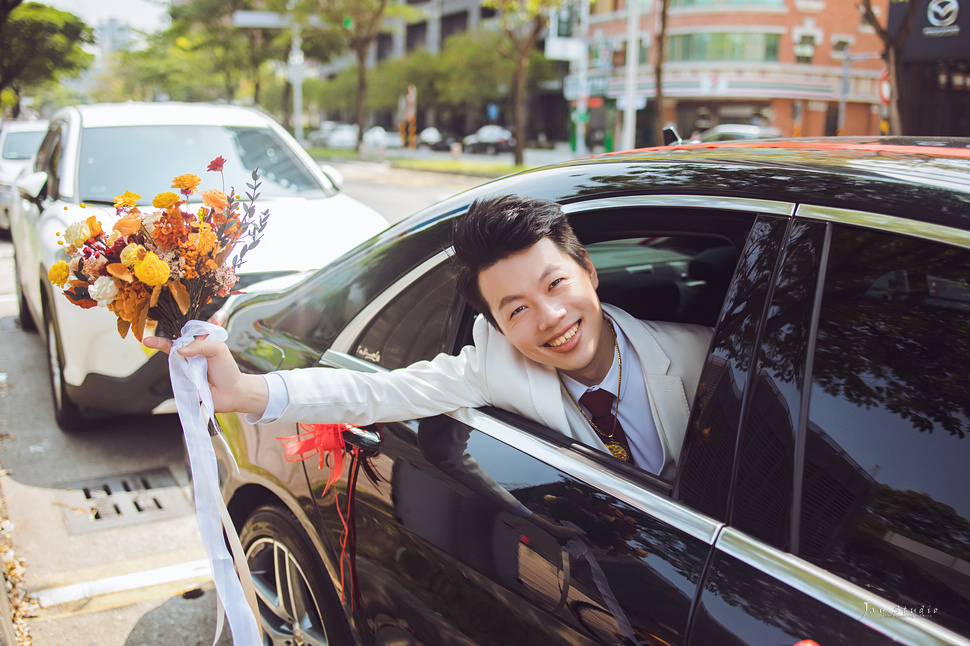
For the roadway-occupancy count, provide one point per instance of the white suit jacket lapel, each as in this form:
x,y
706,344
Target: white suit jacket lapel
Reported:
x,y
668,403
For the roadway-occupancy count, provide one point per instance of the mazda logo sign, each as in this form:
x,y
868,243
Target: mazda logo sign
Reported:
x,y
942,13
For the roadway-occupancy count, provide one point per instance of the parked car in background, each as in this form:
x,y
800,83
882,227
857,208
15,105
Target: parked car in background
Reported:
x,y
18,143
489,139
343,136
820,492
734,132
318,137
92,153
377,137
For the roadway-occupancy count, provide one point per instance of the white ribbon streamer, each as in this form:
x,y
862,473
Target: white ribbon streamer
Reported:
x,y
191,389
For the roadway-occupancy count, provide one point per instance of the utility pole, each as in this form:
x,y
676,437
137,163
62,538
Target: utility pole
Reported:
x,y
582,101
296,64
847,61
627,140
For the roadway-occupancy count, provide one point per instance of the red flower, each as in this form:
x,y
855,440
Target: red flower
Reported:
x,y
217,164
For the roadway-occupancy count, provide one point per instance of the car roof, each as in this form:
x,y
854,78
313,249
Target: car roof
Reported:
x,y
101,115
916,179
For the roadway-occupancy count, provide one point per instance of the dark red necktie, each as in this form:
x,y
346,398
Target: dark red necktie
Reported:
x,y
599,403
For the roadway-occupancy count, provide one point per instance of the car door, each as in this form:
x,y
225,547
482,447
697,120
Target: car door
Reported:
x,y
482,527
28,232
847,509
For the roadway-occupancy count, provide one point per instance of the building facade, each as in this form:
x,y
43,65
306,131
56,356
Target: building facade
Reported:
x,y
796,65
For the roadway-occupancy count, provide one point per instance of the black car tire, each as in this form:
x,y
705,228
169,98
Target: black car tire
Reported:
x,y
297,600
27,323
66,412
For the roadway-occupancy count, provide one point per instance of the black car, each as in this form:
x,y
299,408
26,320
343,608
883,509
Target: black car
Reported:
x,y
822,491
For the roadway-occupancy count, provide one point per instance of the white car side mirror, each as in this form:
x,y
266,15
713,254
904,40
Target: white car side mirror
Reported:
x,y
333,174
31,184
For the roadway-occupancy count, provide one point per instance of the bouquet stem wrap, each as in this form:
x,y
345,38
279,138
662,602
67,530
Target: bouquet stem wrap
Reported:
x,y
192,394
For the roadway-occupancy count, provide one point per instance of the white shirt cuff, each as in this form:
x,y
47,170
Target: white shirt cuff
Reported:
x,y
277,402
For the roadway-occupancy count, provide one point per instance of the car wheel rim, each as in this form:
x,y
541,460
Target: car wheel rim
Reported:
x,y
288,610
55,364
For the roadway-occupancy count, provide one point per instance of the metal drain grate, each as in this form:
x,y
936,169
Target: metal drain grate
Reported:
x,y
115,501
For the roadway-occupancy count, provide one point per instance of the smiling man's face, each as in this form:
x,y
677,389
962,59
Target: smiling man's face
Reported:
x,y
545,303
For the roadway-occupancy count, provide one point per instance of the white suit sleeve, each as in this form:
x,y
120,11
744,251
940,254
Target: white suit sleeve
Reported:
x,y
427,388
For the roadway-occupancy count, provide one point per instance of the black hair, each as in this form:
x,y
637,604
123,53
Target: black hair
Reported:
x,y
496,228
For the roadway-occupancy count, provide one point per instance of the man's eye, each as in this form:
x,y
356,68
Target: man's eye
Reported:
x,y
518,309
556,282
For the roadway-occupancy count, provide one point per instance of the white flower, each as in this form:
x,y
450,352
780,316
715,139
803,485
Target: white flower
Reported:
x,y
77,233
103,290
148,220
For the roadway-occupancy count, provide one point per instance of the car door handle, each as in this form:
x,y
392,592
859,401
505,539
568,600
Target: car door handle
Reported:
x,y
366,439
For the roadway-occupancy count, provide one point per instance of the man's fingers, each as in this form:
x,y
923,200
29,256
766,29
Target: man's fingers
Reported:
x,y
157,343
197,347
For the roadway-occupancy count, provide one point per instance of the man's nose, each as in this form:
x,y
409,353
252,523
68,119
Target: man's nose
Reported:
x,y
551,313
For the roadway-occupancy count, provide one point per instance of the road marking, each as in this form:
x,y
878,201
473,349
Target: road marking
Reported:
x,y
123,582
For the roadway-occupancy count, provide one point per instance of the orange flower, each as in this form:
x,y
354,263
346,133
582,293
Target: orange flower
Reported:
x,y
126,199
186,183
129,223
94,226
216,199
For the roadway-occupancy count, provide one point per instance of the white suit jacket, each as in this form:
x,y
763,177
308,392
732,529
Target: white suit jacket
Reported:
x,y
492,372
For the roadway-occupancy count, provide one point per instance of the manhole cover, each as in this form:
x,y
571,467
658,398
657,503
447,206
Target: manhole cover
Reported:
x,y
114,501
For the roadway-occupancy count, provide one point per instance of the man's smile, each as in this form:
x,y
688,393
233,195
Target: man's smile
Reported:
x,y
566,336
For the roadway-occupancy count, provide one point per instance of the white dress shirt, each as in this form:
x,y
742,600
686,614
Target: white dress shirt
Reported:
x,y
634,413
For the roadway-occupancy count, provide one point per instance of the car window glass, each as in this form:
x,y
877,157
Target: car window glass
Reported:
x,y
416,325
152,155
884,498
707,460
766,449
665,278
49,158
21,145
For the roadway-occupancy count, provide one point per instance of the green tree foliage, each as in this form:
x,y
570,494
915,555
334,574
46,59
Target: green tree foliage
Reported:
x,y
39,44
523,21
357,23
473,72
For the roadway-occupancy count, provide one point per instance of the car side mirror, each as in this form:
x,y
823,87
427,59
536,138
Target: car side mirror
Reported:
x,y
31,186
671,137
335,176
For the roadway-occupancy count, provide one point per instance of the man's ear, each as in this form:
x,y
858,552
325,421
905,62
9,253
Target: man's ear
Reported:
x,y
591,270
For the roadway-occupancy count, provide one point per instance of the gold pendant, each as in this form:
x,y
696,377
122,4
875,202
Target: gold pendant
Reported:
x,y
618,451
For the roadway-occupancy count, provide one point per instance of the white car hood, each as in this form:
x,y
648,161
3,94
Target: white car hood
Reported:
x,y
307,234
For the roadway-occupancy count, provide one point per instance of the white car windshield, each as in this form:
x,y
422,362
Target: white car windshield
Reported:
x,y
145,159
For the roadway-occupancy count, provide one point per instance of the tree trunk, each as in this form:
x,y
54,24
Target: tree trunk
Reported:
x,y
361,92
658,74
518,107
895,120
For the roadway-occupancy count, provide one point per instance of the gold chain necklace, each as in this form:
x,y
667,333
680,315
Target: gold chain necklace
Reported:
x,y
615,448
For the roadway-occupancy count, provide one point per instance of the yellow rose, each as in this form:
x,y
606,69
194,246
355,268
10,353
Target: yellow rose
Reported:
x,y
59,272
129,255
165,200
152,270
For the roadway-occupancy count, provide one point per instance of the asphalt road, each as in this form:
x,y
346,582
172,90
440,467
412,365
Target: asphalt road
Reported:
x,y
142,579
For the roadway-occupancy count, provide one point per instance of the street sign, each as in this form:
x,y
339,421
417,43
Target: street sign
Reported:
x,y
885,89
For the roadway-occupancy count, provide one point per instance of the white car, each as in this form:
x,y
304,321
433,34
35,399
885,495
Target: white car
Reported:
x,y
92,153
18,143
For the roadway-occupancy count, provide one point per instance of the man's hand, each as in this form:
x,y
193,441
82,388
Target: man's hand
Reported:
x,y
231,389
